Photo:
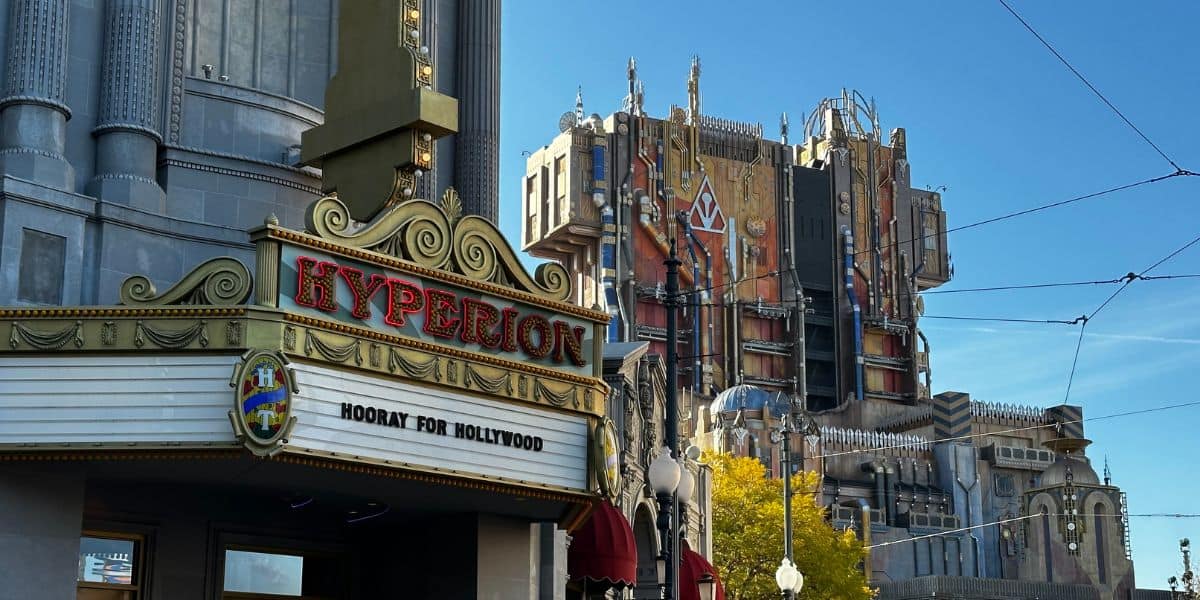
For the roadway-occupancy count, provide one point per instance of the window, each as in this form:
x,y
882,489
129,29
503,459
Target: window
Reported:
x,y
42,260
263,573
929,230
560,177
110,567
253,573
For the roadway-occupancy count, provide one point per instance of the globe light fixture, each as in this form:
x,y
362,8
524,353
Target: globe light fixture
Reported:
x,y
687,485
788,578
664,473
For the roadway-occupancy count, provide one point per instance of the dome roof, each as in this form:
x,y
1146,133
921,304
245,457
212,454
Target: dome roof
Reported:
x,y
1081,472
749,398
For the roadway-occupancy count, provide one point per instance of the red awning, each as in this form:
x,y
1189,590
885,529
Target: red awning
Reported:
x,y
603,550
692,567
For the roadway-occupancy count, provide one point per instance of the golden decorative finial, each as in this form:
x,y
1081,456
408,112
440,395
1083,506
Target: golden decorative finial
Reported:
x,y
381,112
452,205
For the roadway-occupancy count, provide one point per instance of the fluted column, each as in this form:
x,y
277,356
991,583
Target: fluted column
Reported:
x,y
126,134
33,112
477,160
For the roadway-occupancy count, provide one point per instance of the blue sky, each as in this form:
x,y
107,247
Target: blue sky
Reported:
x,y
996,119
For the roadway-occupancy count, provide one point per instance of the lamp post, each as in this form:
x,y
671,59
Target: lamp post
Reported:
x,y
668,507
784,435
664,480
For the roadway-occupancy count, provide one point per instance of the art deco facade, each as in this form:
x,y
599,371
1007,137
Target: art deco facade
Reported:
x,y
803,263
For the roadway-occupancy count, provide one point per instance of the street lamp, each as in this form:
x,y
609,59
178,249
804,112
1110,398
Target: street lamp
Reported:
x,y
784,434
708,587
664,478
789,579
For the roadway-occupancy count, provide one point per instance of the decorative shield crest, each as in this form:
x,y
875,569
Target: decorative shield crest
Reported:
x,y
607,458
706,214
262,411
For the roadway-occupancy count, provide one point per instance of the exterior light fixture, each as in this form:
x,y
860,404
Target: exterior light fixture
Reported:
x,y
708,587
687,485
664,473
789,579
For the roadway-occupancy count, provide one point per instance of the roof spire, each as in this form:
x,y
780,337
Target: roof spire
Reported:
x,y
783,128
579,105
694,91
1107,472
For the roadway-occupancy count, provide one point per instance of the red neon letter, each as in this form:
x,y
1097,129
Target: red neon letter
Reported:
x,y
571,340
362,292
316,285
479,319
403,297
439,305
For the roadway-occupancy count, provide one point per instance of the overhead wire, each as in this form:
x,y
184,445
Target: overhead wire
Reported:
x,y
1128,279
1095,91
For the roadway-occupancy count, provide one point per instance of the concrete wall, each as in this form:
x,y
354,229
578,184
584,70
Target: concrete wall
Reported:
x,y
39,534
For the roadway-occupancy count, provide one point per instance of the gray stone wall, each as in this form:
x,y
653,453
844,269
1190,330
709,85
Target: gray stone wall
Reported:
x,y
150,134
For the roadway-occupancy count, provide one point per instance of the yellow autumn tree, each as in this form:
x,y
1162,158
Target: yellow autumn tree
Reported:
x,y
747,521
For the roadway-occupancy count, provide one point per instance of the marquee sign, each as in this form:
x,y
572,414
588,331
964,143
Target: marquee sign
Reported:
x,y
324,286
387,421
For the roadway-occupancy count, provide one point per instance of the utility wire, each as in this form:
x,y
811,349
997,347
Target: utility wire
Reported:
x,y
1129,278
1013,430
1089,85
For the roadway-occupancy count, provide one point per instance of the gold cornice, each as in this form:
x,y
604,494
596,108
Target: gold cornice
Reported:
x,y
343,345
86,312
388,262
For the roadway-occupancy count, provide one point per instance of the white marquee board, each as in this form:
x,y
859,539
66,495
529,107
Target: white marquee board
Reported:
x,y
127,399
432,428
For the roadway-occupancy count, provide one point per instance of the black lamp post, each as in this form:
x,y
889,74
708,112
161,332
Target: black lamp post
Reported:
x,y
664,470
664,479
788,577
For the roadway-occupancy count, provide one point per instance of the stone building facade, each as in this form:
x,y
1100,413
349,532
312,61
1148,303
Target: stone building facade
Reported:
x,y
146,136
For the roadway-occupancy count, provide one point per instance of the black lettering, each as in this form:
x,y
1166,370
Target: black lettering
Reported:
x,y
507,437
420,423
347,410
459,430
537,444
441,427
393,419
370,413
403,420
358,412
381,415
472,431
528,442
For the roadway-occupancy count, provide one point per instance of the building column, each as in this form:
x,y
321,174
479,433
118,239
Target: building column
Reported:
x,y
33,113
126,136
477,153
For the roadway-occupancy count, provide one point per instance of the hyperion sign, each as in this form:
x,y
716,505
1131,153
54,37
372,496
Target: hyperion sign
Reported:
x,y
442,313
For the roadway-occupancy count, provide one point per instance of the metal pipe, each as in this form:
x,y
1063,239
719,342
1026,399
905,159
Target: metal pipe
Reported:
x,y
889,510
848,251
703,297
697,335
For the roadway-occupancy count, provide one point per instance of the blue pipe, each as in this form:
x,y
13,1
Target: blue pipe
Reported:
x,y
858,351
608,244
